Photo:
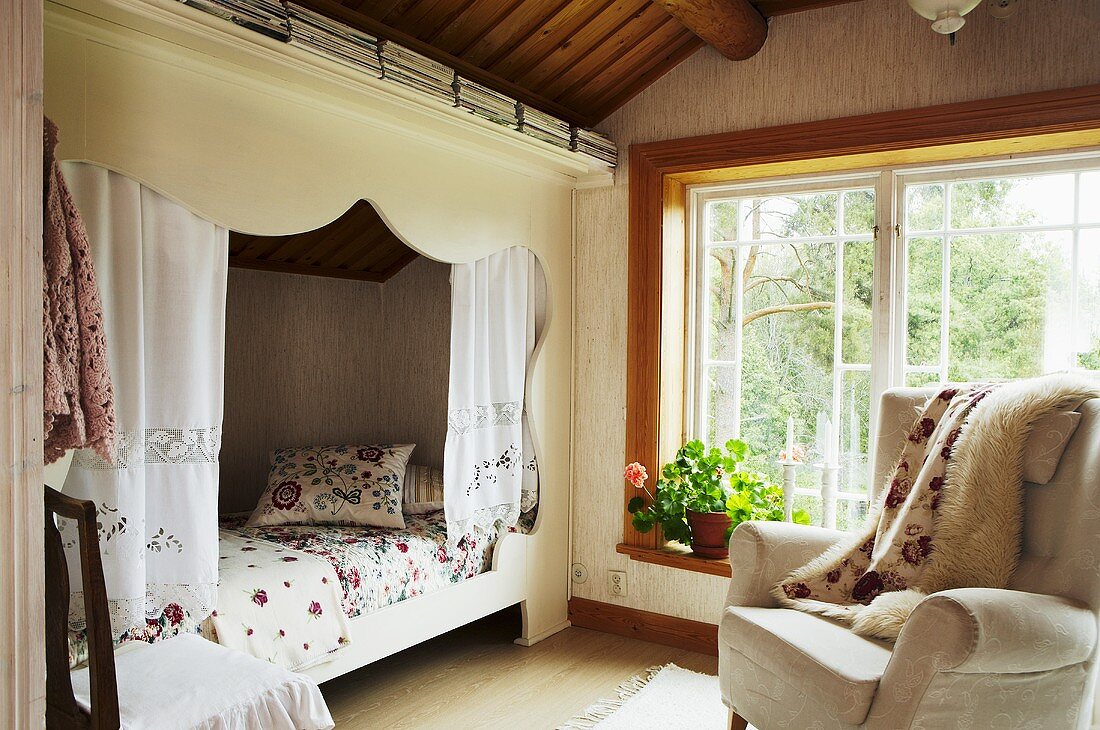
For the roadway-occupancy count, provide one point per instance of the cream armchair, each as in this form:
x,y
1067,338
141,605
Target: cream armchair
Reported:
x,y
969,657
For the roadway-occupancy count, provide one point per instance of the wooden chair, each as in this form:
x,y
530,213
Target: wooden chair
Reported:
x,y
62,710
208,684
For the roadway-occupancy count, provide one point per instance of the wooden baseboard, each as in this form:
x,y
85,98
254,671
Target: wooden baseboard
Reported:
x,y
645,625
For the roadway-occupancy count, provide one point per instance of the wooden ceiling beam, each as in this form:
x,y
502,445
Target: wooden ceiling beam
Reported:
x,y
734,28
336,11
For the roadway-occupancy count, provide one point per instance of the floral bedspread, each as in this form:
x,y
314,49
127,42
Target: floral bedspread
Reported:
x,y
374,566
277,604
379,566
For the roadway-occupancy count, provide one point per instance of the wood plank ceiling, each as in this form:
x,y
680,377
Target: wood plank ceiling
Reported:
x,y
578,59
357,245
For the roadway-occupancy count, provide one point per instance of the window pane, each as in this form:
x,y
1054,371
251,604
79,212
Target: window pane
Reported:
x,y
1088,305
859,261
855,419
924,269
924,208
859,211
789,216
721,405
721,267
722,221
1090,197
1009,305
917,380
1017,201
787,342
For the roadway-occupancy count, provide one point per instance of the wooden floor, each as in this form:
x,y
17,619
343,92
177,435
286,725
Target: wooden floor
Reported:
x,y
475,677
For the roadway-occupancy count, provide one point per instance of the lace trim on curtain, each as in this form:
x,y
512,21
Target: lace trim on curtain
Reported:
x,y
464,420
174,601
485,520
157,446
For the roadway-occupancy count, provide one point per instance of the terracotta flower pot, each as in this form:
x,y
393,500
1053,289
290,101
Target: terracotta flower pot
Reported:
x,y
708,533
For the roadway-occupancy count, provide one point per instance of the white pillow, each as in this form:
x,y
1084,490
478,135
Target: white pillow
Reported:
x,y
334,485
1045,444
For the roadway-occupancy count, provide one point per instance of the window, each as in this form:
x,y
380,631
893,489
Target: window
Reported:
x,y
996,274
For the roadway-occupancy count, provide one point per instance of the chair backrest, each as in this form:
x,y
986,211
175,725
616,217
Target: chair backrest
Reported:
x,y
62,710
1061,542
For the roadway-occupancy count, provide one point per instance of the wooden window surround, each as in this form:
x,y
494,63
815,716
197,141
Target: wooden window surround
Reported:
x,y
660,173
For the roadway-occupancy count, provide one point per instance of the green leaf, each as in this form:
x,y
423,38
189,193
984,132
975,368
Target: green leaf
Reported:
x,y
801,517
635,504
642,522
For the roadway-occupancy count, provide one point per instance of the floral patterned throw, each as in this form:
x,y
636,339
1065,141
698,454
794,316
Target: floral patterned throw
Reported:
x,y
337,485
895,552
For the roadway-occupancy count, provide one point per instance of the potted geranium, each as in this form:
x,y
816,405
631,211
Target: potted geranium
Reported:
x,y
702,494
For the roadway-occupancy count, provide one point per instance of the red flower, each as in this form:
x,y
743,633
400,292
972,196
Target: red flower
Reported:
x,y
441,555
282,633
286,583
315,609
912,553
867,587
925,543
372,454
248,631
796,590
174,613
286,495
402,547
833,575
259,597
152,628
899,490
935,483
868,547
894,581
948,393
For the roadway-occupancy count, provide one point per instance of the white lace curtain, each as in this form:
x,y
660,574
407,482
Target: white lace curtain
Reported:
x,y
162,276
489,462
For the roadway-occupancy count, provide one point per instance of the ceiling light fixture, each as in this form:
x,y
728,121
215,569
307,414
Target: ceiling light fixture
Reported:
x,y
946,15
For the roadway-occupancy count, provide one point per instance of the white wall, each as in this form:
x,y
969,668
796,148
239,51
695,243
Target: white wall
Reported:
x,y
312,360
871,56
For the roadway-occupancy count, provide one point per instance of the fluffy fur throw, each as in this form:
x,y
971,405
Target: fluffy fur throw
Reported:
x,y
952,515
78,401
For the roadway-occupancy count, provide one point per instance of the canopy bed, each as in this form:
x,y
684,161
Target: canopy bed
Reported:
x,y
241,134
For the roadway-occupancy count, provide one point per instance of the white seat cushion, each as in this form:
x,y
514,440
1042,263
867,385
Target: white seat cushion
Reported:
x,y
189,682
820,657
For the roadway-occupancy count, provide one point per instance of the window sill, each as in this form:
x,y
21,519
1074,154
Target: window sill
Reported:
x,y
675,556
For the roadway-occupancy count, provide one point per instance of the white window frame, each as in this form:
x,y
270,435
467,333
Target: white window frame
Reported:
x,y
889,307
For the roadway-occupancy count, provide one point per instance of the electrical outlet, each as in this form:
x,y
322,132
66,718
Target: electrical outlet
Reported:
x,y
580,573
616,582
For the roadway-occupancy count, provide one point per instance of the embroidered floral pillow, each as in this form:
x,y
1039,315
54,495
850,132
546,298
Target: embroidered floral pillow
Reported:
x,y
334,485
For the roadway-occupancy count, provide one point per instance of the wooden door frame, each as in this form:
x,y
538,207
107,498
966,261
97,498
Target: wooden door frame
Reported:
x,y
660,173
22,677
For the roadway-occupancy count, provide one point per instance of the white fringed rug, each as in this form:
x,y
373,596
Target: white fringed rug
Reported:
x,y
667,697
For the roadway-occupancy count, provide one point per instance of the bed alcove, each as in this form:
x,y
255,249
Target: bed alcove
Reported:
x,y
351,327
158,92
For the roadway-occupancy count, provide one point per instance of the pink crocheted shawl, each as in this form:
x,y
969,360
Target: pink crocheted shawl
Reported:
x,y
78,407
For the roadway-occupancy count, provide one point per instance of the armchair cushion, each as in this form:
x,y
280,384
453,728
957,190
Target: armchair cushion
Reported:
x,y
822,658
761,553
997,631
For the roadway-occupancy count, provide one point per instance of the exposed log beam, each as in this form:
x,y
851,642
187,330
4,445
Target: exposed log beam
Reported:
x,y
735,28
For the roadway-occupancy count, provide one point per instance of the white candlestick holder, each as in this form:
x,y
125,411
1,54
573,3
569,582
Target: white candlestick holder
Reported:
x,y
790,471
830,476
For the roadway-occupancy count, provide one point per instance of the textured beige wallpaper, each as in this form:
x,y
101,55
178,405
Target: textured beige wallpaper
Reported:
x,y
872,56
311,360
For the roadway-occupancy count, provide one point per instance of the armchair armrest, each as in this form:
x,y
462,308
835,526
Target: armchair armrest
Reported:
x,y
997,631
762,553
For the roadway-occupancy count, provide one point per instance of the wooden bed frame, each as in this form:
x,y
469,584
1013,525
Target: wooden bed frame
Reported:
x,y
219,118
